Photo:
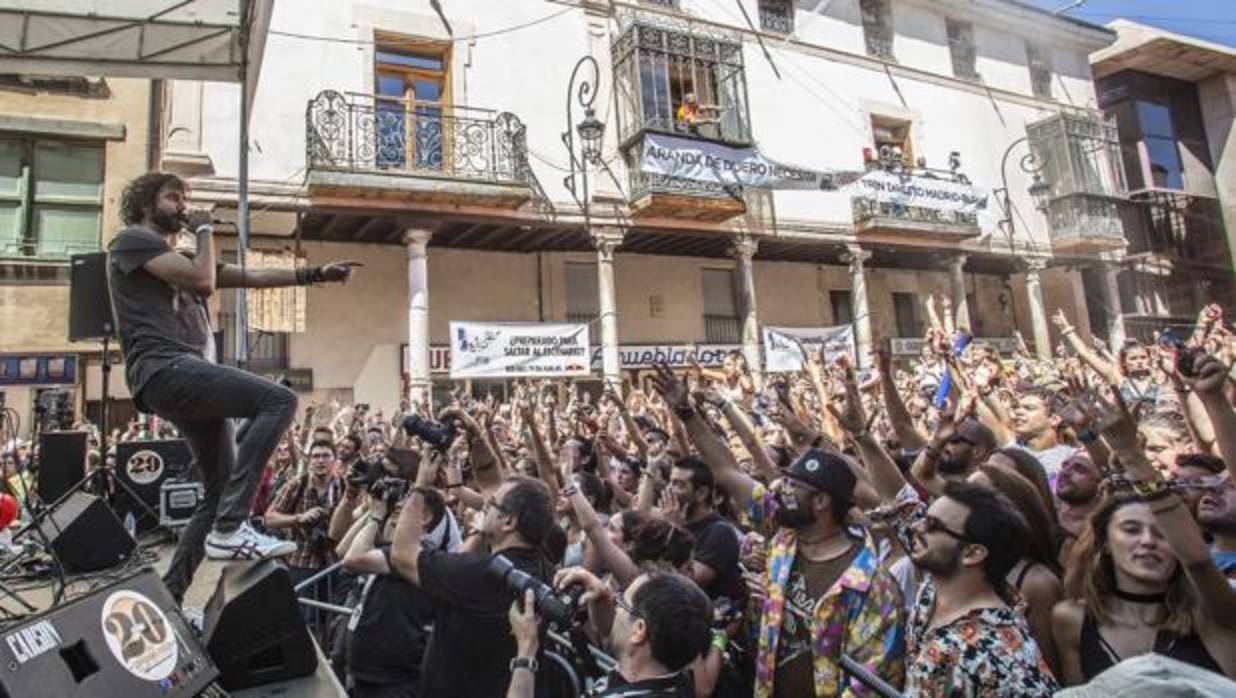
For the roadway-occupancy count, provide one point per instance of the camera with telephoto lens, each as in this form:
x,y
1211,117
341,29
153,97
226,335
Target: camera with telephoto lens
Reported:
x,y
436,434
364,473
560,607
391,490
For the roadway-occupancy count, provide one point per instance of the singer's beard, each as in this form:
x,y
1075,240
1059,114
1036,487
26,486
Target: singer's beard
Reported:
x,y
167,223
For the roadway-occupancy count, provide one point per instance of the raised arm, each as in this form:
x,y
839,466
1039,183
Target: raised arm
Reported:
x,y
713,451
1210,387
881,469
536,442
1102,366
611,556
898,416
232,276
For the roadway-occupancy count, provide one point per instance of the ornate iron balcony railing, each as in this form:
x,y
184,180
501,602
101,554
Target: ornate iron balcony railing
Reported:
x,y
358,132
866,209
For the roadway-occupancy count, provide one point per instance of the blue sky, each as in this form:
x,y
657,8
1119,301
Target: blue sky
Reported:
x,y
1213,20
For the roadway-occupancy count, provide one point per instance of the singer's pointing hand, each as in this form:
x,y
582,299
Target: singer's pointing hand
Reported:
x,y
339,271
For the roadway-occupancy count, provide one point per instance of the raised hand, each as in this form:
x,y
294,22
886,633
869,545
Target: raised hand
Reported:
x,y
673,390
852,417
1061,321
339,271
1117,424
1210,375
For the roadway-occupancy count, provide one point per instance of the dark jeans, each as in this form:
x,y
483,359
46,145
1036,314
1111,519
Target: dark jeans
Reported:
x,y
201,399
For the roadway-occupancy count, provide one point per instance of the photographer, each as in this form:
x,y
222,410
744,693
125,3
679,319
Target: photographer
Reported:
x,y
656,628
303,508
389,626
472,645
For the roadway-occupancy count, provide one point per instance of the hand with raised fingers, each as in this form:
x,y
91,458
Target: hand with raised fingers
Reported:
x,y
672,390
851,416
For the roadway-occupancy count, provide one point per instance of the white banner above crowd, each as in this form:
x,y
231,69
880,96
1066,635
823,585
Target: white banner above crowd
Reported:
x,y
786,348
920,192
518,349
714,163
630,356
706,161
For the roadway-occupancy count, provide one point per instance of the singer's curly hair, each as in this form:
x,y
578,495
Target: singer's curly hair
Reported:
x,y
140,194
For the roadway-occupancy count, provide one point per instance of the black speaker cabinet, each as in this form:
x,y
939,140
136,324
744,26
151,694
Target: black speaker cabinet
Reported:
x,y
90,302
62,462
254,629
85,534
143,466
126,639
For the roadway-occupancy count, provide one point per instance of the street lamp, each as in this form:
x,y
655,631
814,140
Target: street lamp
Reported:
x,y
1040,191
590,132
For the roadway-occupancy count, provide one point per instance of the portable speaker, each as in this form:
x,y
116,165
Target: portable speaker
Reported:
x,y
85,534
62,462
143,467
126,639
254,629
90,303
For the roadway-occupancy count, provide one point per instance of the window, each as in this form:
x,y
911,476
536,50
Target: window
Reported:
x,y
683,83
892,136
720,308
777,16
411,102
961,49
906,315
1039,61
51,197
843,311
1162,150
582,301
268,351
878,28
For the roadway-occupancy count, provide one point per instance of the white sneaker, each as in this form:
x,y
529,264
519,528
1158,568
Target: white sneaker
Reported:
x,y
194,617
246,544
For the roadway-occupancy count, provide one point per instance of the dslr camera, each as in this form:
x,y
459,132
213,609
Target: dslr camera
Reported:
x,y
561,608
437,434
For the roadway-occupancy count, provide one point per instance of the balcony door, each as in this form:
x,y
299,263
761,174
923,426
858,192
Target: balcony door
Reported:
x,y
411,107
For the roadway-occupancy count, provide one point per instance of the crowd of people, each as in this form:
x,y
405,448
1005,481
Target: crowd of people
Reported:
x,y
964,524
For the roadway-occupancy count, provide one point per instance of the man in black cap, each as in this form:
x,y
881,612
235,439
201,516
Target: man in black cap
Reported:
x,y
825,588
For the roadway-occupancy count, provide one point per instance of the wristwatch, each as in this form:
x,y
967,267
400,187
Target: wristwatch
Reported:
x,y
528,663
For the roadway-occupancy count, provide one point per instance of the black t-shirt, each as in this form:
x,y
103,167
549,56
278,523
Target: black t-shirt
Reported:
x,y
716,545
157,322
472,646
389,640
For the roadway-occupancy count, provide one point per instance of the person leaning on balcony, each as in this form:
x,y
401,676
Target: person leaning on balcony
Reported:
x,y
691,114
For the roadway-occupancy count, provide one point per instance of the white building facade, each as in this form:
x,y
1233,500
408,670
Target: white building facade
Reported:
x,y
430,148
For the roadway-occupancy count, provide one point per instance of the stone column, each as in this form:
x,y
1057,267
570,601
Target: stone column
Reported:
x,y
1110,289
957,286
607,239
1038,314
856,256
420,386
744,250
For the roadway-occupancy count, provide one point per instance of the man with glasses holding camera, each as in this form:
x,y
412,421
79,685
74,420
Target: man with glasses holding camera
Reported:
x,y
471,648
656,628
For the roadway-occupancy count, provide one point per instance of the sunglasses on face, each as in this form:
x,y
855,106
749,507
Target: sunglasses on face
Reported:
x,y
621,602
493,502
933,525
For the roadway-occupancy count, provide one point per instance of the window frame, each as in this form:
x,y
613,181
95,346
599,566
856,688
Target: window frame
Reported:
x,y
907,299
880,121
968,71
774,11
879,39
1041,69
406,45
26,243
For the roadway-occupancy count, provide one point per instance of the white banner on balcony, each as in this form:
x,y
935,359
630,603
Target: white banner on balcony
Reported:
x,y
705,161
921,192
785,348
513,349
631,356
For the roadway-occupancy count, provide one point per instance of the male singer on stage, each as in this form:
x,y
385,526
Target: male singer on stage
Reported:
x,y
159,299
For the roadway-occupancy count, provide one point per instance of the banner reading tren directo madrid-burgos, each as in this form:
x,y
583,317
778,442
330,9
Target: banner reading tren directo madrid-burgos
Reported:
x,y
514,349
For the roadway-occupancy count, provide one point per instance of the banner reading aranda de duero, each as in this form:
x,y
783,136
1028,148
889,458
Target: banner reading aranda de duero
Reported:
x,y
705,161
785,348
514,349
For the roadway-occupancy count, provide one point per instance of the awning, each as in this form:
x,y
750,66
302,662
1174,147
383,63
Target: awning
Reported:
x,y
158,39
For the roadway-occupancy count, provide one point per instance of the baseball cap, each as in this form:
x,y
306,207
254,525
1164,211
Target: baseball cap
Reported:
x,y
824,471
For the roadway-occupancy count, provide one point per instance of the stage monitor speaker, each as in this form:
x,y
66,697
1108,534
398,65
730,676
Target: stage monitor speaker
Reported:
x,y
126,639
90,303
143,467
85,534
62,463
254,629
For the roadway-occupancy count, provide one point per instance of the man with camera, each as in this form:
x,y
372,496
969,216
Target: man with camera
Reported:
x,y
303,509
472,646
656,628
389,626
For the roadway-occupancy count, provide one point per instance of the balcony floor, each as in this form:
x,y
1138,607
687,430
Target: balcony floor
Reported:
x,y
416,188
